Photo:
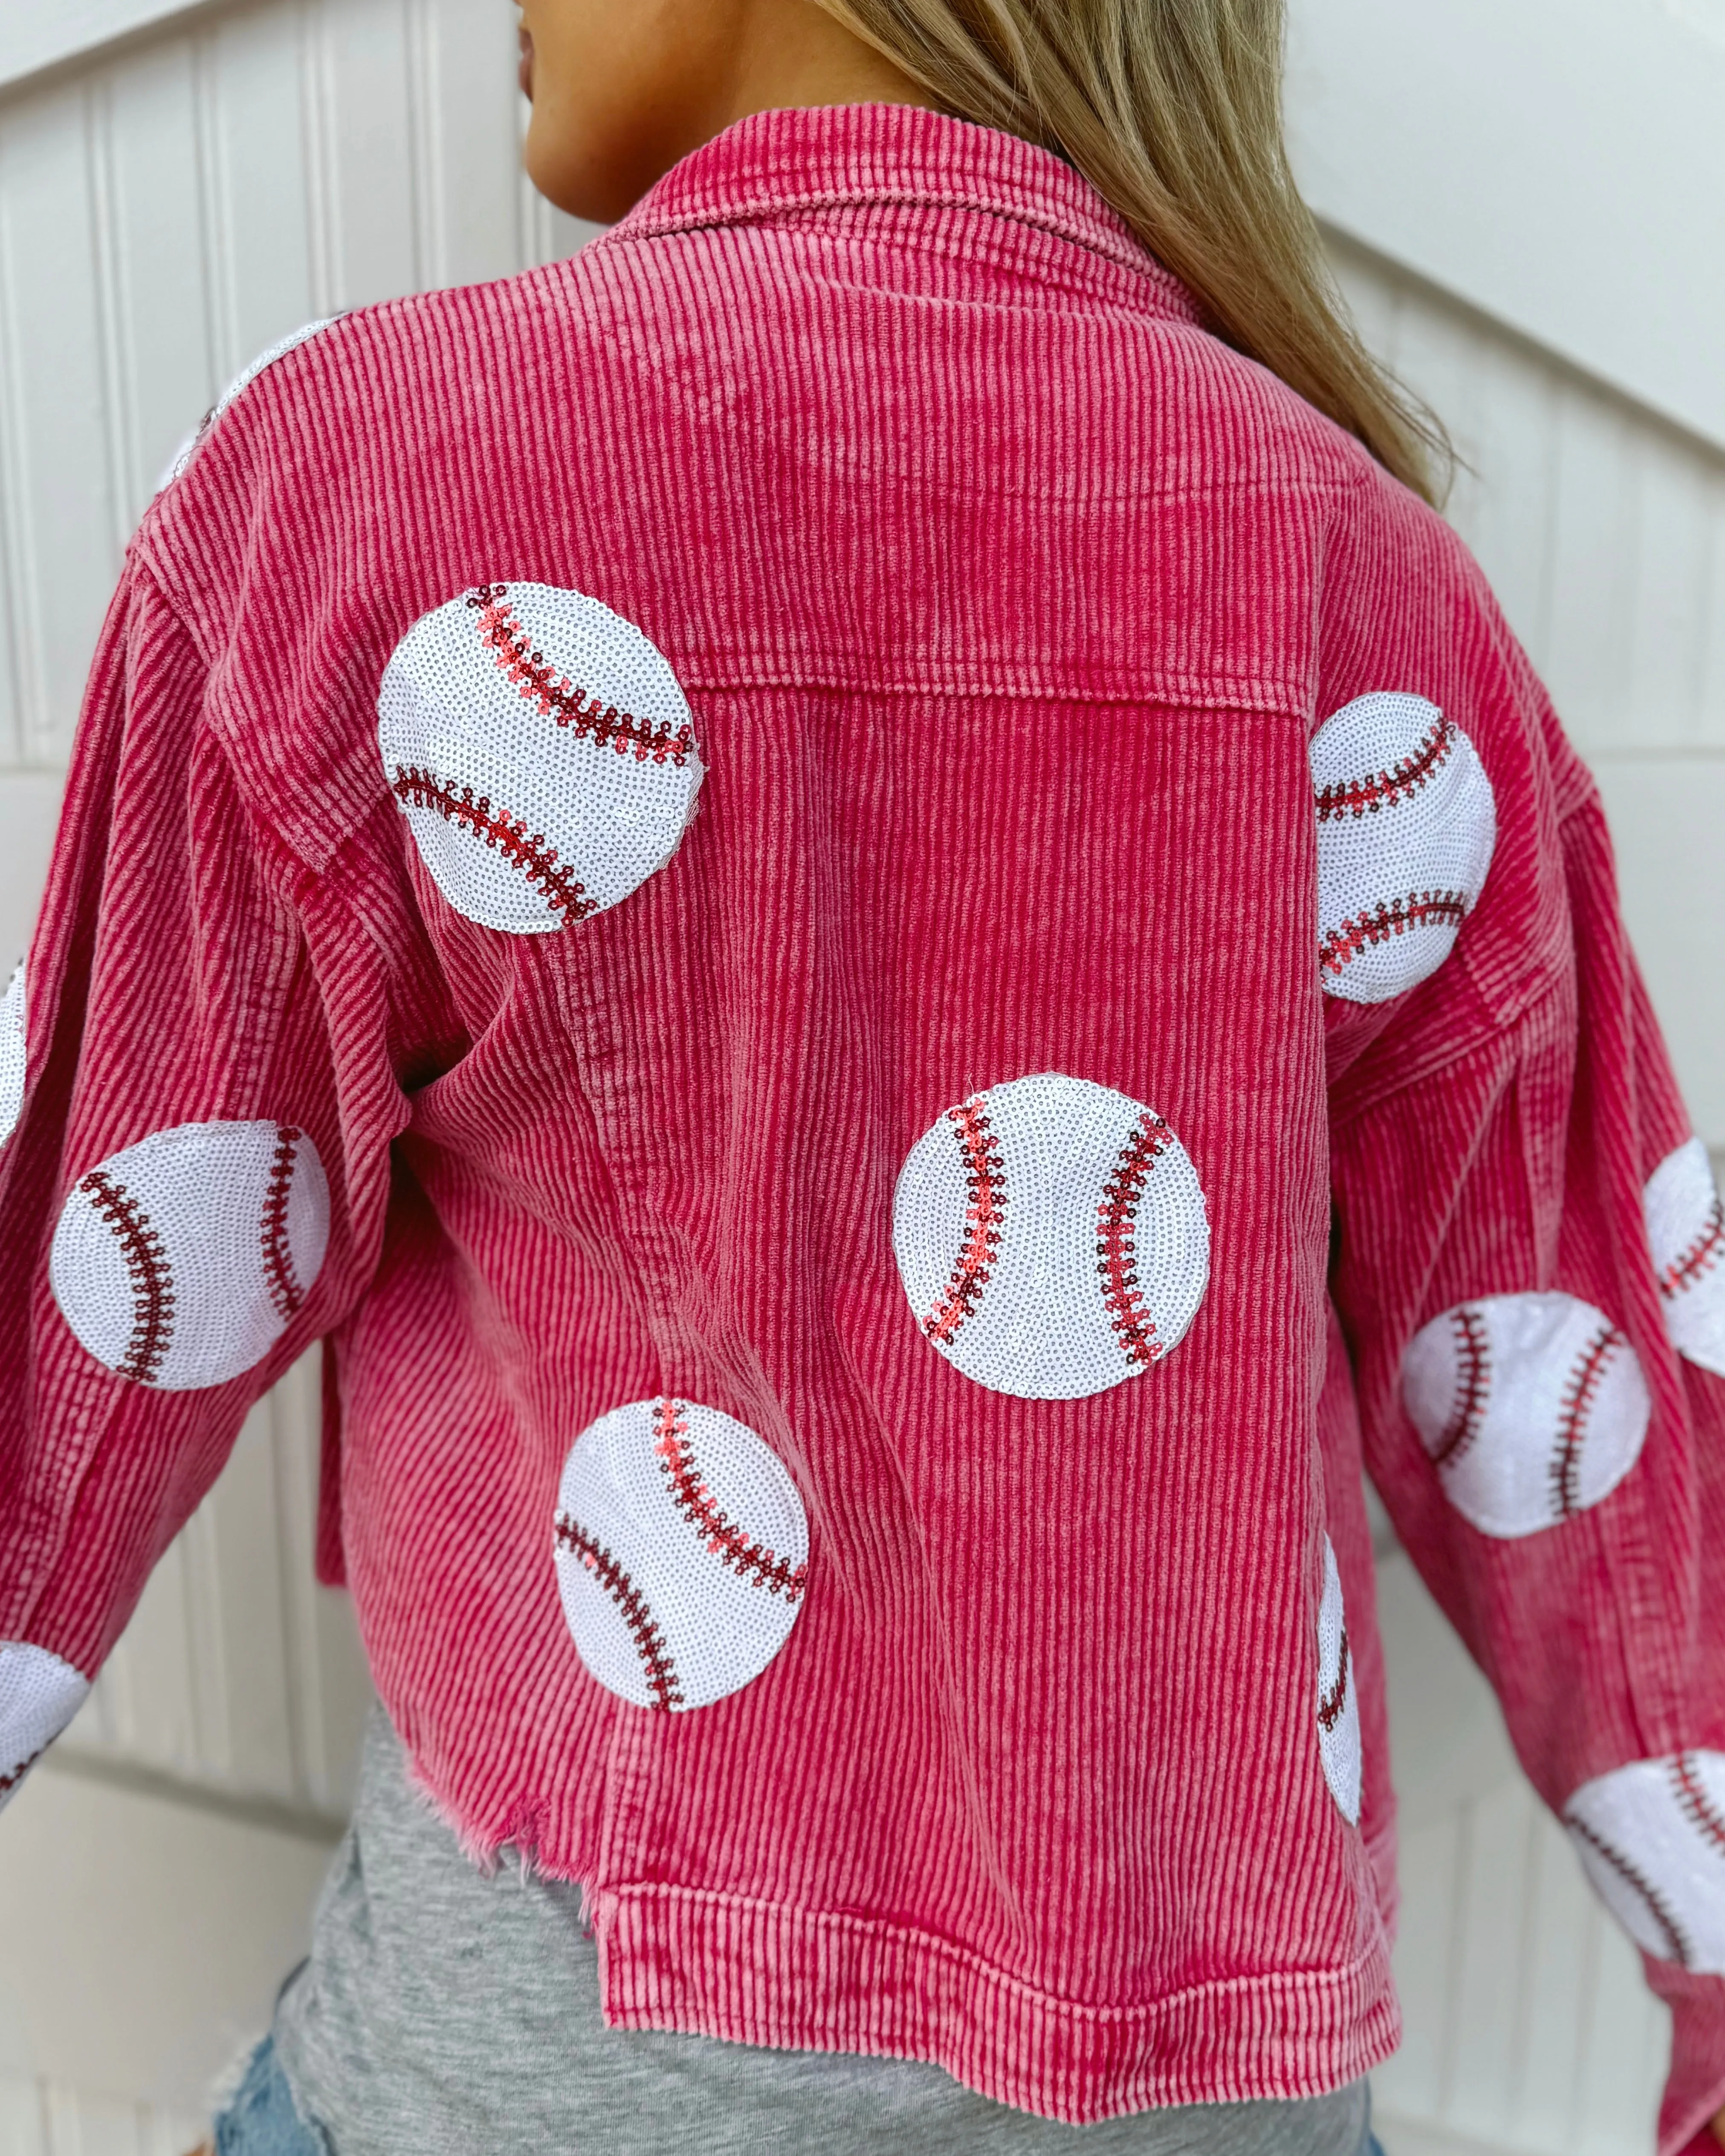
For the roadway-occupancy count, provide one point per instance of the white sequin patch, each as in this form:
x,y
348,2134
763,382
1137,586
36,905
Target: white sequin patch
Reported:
x,y
682,1553
38,1696
242,381
1532,1407
1406,826
1338,1746
541,751
1051,1236
12,1055
1652,1838
1685,1229
181,1260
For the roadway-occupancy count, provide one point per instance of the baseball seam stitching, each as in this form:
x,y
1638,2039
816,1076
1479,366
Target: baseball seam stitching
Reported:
x,y
279,1277
9,1782
1694,1801
1116,1249
634,1606
1420,909
1584,1379
1467,1326
1676,1939
1699,1257
985,1179
502,833
538,682
1331,1703
1360,797
751,1561
152,1281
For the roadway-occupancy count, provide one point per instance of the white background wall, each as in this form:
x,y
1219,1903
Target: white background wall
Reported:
x,y
169,204
1559,162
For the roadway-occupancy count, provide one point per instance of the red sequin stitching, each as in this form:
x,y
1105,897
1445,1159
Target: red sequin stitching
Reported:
x,y
1583,1384
1360,797
1331,1703
504,834
1467,1327
1420,909
279,1277
751,1561
8,1783
985,1179
649,1642
1697,1807
1702,1255
151,1283
1631,1876
558,698
1116,1252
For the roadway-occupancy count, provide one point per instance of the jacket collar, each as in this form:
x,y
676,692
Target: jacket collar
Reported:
x,y
795,161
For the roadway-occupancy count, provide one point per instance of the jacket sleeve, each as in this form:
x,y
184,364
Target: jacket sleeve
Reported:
x,y
1531,1272
194,1160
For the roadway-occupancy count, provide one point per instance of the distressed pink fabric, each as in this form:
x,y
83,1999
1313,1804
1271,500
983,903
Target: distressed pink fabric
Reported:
x,y
1006,601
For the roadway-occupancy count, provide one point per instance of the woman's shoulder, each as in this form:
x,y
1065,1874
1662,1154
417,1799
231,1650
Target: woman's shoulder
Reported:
x,y
359,423
394,369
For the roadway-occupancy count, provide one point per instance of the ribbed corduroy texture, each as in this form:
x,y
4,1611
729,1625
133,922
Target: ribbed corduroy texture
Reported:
x,y
1005,601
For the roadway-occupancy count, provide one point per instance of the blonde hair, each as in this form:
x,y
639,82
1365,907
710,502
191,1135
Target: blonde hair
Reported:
x,y
1171,109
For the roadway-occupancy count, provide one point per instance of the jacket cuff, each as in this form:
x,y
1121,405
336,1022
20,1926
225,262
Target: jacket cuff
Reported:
x,y
1695,2090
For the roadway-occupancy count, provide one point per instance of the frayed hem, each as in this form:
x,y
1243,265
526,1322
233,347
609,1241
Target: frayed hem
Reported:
x,y
489,1852
224,2085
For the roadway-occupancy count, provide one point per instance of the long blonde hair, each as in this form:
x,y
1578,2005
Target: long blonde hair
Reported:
x,y
1171,109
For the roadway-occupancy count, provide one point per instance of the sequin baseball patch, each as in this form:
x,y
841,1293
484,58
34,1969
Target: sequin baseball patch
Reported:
x,y
1685,1229
38,1696
1532,1407
14,1050
181,1260
1406,827
541,750
682,1553
1652,1839
1338,1741
1051,1236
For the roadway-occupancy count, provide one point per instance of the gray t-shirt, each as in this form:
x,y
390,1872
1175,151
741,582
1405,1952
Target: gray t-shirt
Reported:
x,y
445,2010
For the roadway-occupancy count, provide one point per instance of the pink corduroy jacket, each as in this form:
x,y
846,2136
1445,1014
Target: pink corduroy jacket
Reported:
x,y
891,955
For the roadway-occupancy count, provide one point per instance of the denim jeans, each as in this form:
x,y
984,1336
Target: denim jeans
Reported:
x,y
261,2119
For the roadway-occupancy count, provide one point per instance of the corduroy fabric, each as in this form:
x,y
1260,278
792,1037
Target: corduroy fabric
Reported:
x,y
1006,601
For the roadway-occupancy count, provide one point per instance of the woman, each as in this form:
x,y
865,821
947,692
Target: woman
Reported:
x,y
865,908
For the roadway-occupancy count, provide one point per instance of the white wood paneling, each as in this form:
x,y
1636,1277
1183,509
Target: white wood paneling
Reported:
x,y
1603,530
1668,819
143,1941
30,805
168,215
33,39
1560,163
63,523
47,2119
